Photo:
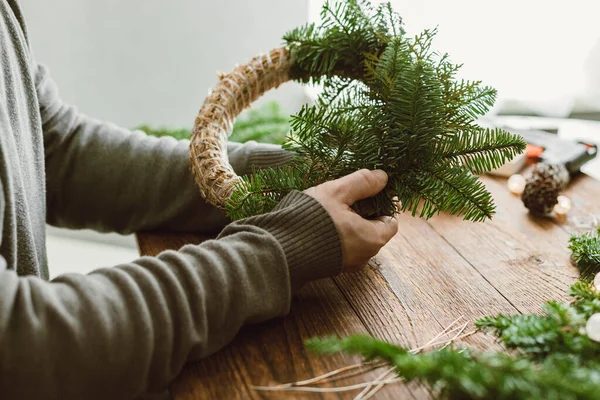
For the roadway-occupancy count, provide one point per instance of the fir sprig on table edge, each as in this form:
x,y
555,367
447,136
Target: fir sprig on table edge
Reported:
x,y
552,358
389,102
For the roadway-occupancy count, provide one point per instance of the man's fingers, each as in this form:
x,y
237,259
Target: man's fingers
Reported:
x,y
361,185
386,228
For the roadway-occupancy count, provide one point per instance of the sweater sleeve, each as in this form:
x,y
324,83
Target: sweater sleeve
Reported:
x,y
103,177
125,331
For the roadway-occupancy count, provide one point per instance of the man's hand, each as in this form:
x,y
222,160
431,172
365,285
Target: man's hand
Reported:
x,y
361,238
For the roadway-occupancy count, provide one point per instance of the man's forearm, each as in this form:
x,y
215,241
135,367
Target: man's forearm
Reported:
x,y
123,331
107,178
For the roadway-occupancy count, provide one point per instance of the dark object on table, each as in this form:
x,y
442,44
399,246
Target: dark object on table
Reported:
x,y
543,187
557,161
572,154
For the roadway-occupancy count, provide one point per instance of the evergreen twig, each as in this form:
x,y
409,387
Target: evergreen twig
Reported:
x,y
553,356
586,253
389,102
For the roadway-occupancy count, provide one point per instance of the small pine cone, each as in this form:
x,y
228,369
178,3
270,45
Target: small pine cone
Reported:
x,y
557,172
542,188
540,195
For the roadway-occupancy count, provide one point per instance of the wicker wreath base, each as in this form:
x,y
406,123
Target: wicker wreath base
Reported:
x,y
233,93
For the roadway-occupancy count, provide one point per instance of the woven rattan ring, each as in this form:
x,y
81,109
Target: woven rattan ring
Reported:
x,y
234,92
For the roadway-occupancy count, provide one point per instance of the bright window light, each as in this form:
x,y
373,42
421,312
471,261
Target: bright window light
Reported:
x,y
543,56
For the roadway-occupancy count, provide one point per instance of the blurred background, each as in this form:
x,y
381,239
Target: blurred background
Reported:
x,y
148,62
542,56
151,62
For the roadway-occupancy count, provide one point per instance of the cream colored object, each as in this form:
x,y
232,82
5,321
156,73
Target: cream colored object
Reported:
x,y
563,206
592,327
234,92
511,167
516,184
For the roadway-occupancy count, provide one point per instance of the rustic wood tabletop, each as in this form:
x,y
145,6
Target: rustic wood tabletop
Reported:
x,y
430,274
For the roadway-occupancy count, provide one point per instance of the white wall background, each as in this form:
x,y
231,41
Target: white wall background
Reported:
x,y
147,62
543,56
153,61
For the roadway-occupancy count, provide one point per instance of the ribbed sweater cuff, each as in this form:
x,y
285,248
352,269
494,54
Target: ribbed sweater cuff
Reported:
x,y
308,236
266,156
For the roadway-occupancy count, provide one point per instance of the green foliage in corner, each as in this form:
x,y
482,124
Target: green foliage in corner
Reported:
x,y
552,358
264,124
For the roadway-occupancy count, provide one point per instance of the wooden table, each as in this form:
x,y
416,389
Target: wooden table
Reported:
x,y
431,273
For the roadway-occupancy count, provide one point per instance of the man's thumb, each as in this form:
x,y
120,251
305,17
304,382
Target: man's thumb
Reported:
x,y
361,185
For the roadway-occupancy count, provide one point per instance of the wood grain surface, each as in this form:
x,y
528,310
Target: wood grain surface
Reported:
x,y
431,273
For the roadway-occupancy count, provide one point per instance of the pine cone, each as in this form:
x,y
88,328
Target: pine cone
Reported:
x,y
542,188
557,172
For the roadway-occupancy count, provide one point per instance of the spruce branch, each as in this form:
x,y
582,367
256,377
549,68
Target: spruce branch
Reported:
x,y
586,253
560,330
472,375
552,358
390,102
260,191
480,150
454,190
339,45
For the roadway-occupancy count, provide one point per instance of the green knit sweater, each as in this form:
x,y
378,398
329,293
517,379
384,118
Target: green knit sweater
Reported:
x,y
124,331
